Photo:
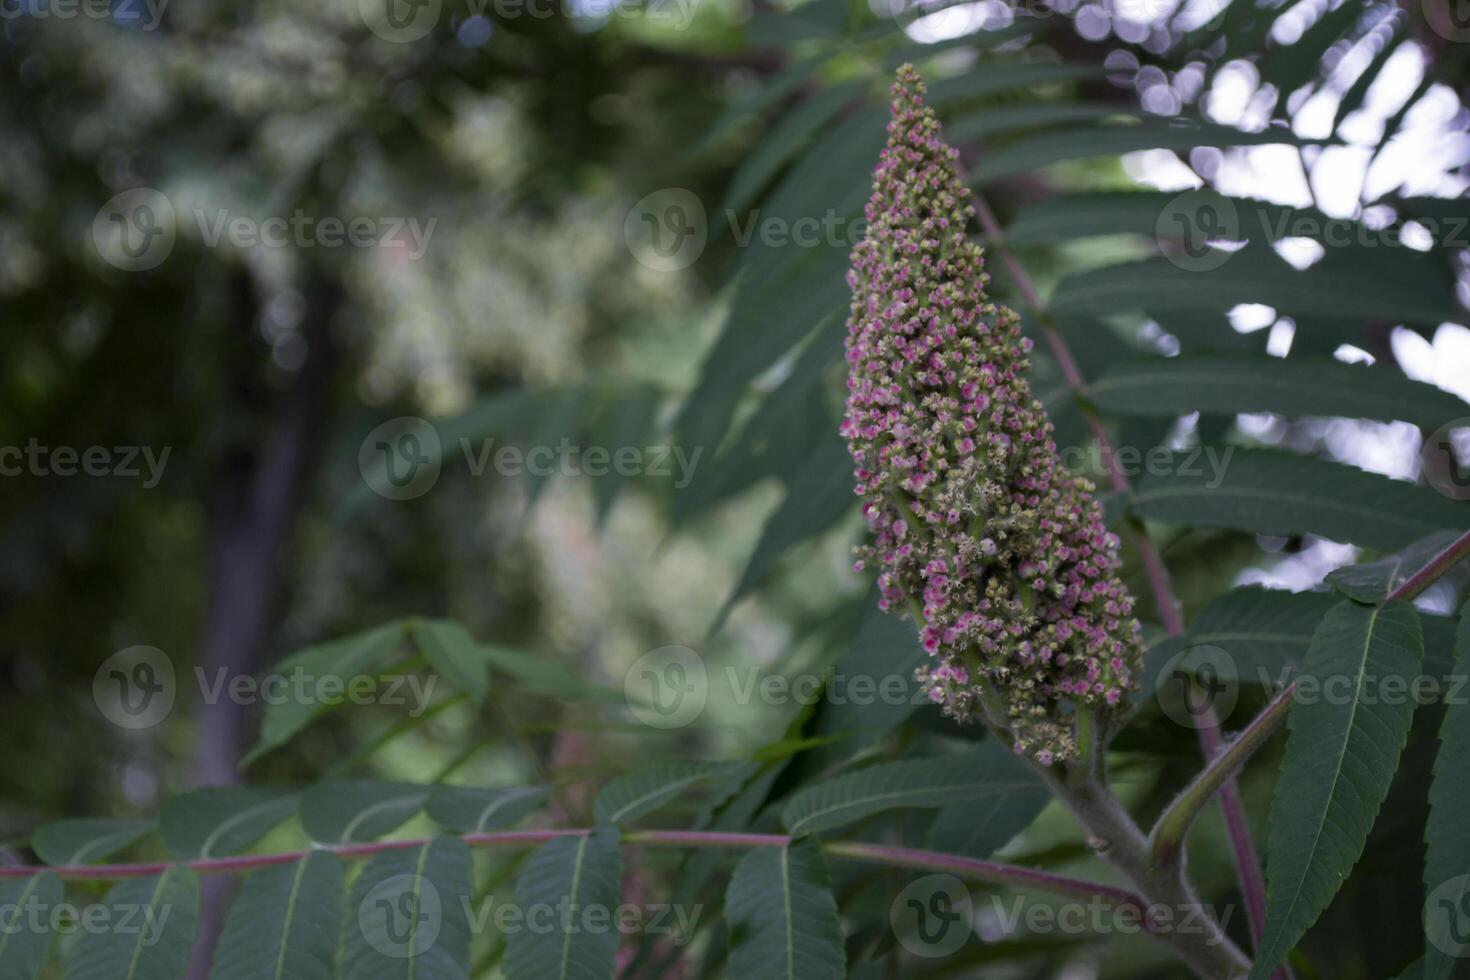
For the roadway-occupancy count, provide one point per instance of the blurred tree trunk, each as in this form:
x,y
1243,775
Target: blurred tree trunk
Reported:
x,y
258,489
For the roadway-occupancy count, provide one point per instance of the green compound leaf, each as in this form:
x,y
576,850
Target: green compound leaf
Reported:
x,y
782,916
1343,749
146,930
86,840
406,917
455,656
284,923
643,791
567,896
1274,492
1447,863
26,907
356,810
477,809
1373,581
221,820
1295,387
989,772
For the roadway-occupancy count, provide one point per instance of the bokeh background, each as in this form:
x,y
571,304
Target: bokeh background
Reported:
x,y
625,225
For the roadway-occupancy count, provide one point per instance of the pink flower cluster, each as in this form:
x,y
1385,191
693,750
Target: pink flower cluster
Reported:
x,y
979,532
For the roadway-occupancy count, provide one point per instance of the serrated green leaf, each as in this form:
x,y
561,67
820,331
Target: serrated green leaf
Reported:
x,y
454,655
990,771
478,809
1045,149
872,689
545,675
284,923
1341,754
406,917
352,811
1343,285
219,820
994,120
351,656
782,916
1373,581
26,907
146,933
784,140
1264,631
1296,387
86,840
981,828
819,495
1274,492
639,793
992,77
1447,835
575,878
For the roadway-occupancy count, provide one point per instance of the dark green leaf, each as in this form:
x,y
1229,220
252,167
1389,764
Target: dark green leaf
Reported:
x,y
639,793
1373,581
453,654
407,915
356,810
1340,286
147,930
341,660
86,840
1225,384
1341,754
782,916
564,883
818,496
1272,492
990,771
26,908
220,820
784,139
478,809
992,120
284,923
981,828
1447,862
1042,150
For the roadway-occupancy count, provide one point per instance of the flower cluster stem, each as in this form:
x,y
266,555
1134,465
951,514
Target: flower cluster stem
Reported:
x,y
1248,867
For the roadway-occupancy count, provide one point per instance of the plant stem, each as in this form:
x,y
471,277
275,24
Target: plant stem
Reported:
x,y
989,871
1433,571
1247,864
1173,825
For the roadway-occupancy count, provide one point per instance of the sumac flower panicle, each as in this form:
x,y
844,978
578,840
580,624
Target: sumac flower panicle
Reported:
x,y
980,533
